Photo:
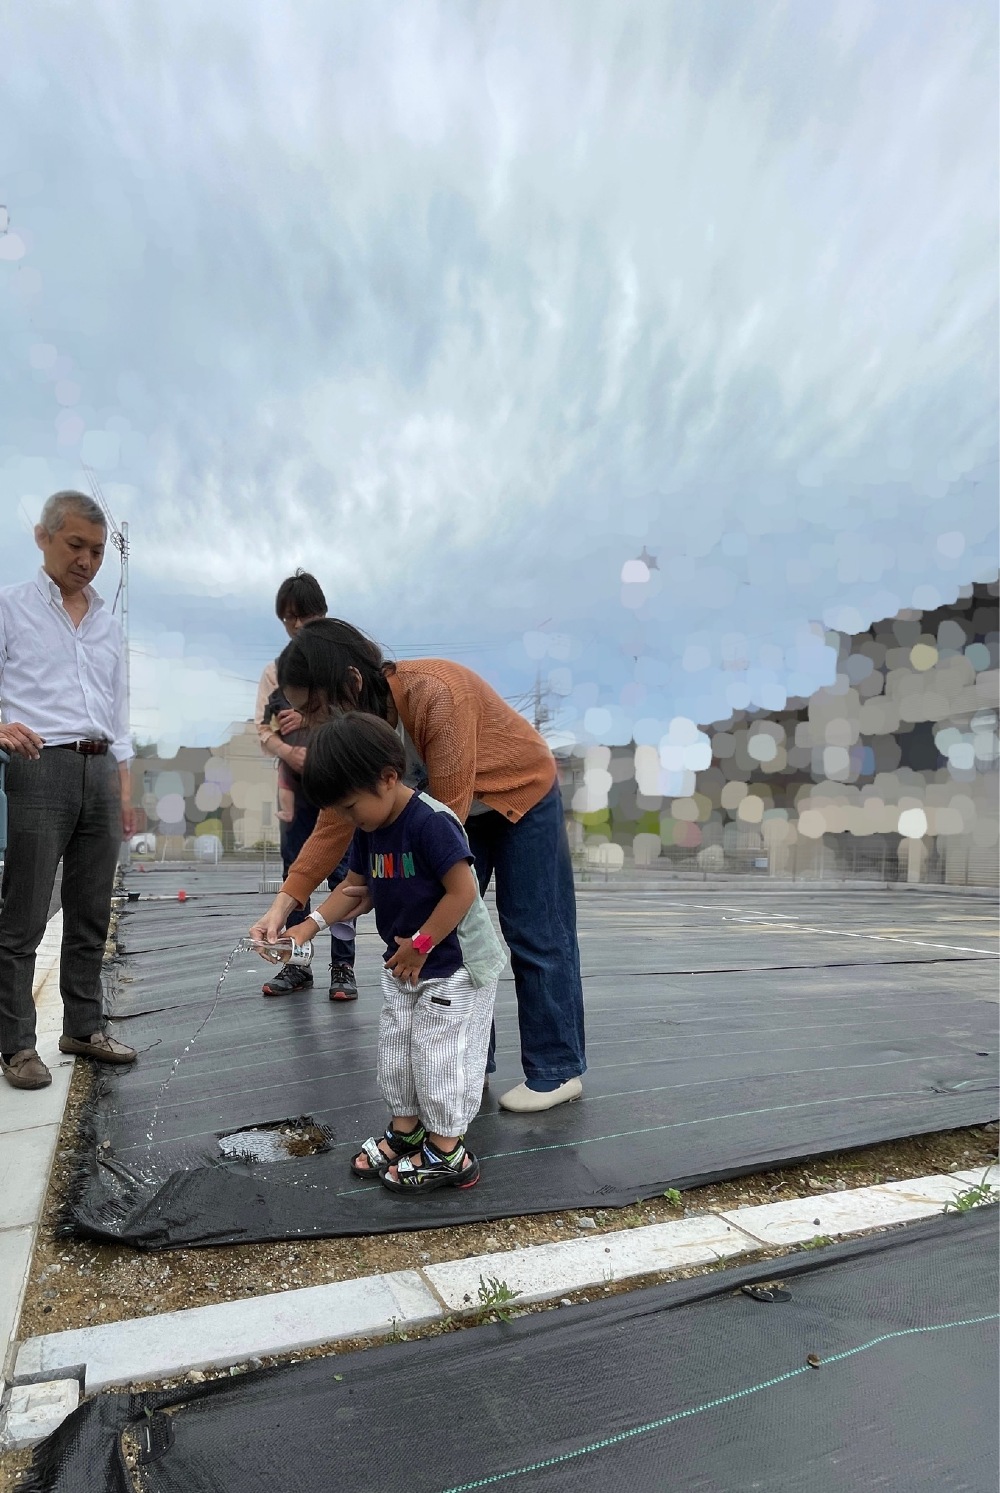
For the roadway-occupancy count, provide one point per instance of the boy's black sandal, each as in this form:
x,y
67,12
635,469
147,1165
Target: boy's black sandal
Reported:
x,y
402,1146
461,1169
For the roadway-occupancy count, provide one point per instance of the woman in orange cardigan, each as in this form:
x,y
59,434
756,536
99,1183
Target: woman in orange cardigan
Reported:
x,y
467,748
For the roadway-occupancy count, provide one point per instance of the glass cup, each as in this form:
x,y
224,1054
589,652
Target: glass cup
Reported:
x,y
284,951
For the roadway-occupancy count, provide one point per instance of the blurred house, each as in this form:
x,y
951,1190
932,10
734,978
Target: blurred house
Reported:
x,y
890,772
226,794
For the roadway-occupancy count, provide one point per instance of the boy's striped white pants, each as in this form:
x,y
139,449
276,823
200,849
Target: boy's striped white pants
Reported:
x,y
432,1044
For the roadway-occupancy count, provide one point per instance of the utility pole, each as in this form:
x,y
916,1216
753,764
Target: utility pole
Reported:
x,y
128,653
119,538
541,713
541,710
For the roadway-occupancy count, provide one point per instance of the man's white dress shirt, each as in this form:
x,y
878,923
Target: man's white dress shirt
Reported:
x,y
67,683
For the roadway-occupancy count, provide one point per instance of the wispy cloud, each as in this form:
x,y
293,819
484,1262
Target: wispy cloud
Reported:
x,y
462,307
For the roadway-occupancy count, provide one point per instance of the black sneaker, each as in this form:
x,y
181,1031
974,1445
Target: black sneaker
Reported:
x,y
292,978
343,985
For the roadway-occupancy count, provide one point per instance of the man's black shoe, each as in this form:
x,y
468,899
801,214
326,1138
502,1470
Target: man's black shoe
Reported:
x,y
289,980
343,985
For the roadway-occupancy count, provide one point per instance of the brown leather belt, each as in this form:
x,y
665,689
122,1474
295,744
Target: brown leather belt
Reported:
x,y
85,748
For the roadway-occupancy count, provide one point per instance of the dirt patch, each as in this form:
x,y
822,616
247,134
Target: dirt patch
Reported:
x,y
12,1466
278,1141
78,1282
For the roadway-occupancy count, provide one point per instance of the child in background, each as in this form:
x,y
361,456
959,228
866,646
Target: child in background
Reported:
x,y
286,794
442,959
287,780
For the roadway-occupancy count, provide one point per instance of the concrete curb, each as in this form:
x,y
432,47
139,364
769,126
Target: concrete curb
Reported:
x,y
166,1346
29,1134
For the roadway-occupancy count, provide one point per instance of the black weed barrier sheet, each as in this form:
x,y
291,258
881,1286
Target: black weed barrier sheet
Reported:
x,y
719,1043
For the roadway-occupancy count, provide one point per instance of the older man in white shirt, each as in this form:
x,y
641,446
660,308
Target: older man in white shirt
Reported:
x,y
65,724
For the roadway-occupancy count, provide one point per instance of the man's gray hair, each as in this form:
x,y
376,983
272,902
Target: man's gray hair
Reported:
x,y
61,504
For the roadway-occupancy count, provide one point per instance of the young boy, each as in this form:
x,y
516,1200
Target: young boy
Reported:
x,y
442,958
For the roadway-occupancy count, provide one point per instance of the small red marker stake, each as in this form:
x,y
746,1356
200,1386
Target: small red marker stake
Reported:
x,y
182,896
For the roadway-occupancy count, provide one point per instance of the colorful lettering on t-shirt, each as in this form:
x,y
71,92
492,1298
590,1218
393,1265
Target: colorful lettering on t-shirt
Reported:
x,y
391,866
404,864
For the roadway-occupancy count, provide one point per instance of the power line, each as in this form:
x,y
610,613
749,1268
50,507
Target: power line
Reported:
x,y
215,668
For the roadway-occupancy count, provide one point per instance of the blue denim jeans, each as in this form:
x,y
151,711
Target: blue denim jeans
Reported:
x,y
294,835
536,903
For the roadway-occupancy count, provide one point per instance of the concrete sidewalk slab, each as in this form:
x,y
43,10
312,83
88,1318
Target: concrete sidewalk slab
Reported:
x,y
801,1219
161,1347
25,1160
990,1175
545,1270
24,1110
30,1121
47,955
16,1246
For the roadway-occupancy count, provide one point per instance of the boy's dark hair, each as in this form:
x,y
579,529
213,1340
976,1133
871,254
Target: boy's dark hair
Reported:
x,y
301,595
349,755
320,659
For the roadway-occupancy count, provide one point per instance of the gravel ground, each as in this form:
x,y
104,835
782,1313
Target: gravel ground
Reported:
x,y
12,1464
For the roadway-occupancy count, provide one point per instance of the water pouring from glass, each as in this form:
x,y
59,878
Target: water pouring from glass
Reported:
x,y
278,951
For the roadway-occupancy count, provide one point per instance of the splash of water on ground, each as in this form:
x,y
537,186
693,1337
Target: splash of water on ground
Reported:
x,y
245,946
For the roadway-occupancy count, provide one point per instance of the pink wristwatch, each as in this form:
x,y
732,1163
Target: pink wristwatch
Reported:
x,y
422,942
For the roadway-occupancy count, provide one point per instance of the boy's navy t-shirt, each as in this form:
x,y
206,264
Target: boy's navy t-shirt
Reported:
x,y
403,864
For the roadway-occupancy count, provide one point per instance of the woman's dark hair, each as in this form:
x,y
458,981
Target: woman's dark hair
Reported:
x,y
349,755
320,659
301,595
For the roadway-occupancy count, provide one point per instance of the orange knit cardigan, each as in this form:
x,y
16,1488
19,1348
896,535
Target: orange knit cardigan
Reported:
x,y
474,746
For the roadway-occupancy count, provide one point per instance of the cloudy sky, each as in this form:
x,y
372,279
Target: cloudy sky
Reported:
x,y
467,306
